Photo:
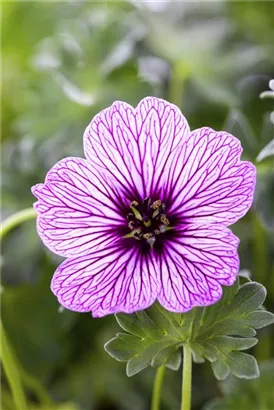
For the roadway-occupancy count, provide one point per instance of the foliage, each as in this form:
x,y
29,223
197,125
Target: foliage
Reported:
x,y
217,333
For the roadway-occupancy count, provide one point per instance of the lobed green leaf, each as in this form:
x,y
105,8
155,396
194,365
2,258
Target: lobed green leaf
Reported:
x,y
217,333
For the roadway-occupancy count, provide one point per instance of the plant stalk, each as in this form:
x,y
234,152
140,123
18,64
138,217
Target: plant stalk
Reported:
x,y
157,388
12,372
16,219
187,378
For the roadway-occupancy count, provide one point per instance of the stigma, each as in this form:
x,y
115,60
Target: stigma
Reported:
x,y
147,220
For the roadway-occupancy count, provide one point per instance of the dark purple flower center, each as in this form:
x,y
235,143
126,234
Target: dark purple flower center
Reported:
x,y
147,220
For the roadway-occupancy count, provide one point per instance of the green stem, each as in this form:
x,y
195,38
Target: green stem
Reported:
x,y
259,251
16,219
36,387
157,388
261,269
12,373
187,375
179,74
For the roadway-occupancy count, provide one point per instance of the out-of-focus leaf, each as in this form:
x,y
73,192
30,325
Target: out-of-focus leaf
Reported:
x,y
247,394
264,198
154,70
269,94
73,92
237,124
267,151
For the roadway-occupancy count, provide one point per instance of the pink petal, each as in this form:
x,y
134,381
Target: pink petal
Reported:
x,y
77,211
138,146
214,185
194,265
107,281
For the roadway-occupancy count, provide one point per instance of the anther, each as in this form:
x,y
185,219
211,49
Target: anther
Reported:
x,y
155,213
151,241
147,235
156,204
131,225
164,219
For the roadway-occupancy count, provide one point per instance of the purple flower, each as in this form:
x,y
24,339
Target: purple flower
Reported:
x,y
144,216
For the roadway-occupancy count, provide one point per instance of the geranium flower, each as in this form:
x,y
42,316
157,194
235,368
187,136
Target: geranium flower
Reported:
x,y
144,217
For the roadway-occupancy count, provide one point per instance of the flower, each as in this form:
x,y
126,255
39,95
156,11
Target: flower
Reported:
x,y
145,216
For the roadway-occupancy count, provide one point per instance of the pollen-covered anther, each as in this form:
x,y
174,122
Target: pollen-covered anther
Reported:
x,y
147,235
164,219
131,225
156,204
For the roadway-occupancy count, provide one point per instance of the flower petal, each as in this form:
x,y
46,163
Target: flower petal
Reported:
x,y
77,212
213,185
107,281
138,146
195,264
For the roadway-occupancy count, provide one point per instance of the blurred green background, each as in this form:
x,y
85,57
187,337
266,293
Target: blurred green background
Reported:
x,y
62,63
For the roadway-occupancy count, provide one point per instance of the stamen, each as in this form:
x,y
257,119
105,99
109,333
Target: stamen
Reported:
x,y
156,204
147,235
134,234
131,225
155,213
151,241
136,212
147,221
164,219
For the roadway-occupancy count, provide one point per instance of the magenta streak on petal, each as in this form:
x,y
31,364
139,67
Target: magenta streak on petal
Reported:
x,y
214,185
135,146
195,265
76,215
114,280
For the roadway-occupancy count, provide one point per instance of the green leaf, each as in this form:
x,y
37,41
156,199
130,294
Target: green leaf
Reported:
x,y
249,297
174,360
243,365
116,347
236,343
260,318
143,359
217,333
220,369
169,356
